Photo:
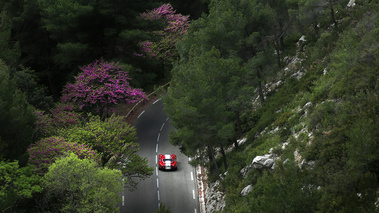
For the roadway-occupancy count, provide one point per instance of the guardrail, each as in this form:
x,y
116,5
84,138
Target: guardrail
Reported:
x,y
139,102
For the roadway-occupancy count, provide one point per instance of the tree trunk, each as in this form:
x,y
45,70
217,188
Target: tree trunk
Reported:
x,y
277,47
316,28
281,37
278,52
52,86
235,142
213,159
238,128
224,157
260,90
333,18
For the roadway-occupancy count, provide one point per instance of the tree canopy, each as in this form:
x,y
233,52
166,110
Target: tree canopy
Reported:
x,y
17,186
16,114
174,30
83,186
296,80
99,87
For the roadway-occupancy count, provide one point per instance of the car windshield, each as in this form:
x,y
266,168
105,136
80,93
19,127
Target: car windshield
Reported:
x,y
167,159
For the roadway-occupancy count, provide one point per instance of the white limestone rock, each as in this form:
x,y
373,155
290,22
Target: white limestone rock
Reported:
x,y
245,191
261,162
351,3
215,200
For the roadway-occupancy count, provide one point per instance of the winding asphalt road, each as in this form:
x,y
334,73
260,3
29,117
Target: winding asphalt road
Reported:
x,y
175,189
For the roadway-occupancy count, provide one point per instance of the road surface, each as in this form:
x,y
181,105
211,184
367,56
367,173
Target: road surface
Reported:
x,y
176,189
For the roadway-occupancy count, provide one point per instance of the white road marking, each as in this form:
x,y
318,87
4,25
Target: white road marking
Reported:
x,y
157,183
156,170
193,194
166,119
156,101
141,114
156,148
158,196
192,176
123,203
195,211
158,136
156,159
162,126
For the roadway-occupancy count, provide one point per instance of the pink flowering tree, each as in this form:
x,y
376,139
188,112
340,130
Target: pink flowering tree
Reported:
x,y
177,26
99,87
62,116
46,151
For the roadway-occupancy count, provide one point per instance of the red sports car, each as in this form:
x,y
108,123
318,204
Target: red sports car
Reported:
x,y
167,162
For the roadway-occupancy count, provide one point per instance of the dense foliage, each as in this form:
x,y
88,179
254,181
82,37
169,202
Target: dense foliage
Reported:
x,y
115,141
18,185
44,153
82,185
296,79
99,87
177,27
62,116
15,114
314,74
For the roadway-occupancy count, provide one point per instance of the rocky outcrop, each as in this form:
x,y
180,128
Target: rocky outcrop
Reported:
x,y
351,3
263,162
245,170
266,161
245,191
214,198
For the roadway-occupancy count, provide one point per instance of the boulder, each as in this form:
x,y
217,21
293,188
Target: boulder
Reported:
x,y
263,162
245,191
351,3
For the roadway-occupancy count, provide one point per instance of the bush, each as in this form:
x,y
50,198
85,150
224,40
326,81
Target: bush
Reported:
x,y
46,151
63,116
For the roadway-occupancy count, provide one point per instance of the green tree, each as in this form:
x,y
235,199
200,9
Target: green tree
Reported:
x,y
198,106
245,29
16,120
46,151
115,141
36,95
287,189
222,28
321,13
35,45
82,186
17,186
56,37
62,116
10,49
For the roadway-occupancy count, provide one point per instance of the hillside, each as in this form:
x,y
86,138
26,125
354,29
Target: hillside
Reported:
x,y
308,137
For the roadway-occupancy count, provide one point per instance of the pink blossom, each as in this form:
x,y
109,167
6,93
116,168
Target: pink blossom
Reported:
x,y
177,27
100,86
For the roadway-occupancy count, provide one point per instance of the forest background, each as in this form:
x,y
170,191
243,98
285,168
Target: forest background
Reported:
x,y
299,74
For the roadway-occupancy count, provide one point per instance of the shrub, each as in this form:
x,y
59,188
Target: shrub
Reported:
x,y
46,151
